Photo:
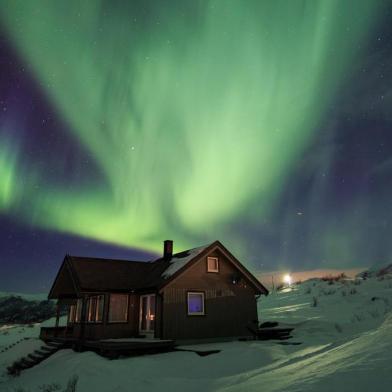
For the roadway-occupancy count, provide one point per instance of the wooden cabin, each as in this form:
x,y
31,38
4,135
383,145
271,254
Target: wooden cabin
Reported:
x,y
201,293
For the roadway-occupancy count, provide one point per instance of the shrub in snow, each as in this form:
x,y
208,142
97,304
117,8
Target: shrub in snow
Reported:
x,y
374,313
49,387
315,302
338,328
71,386
332,279
357,317
353,291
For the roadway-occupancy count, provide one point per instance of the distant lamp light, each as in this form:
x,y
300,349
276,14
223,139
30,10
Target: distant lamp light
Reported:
x,y
287,279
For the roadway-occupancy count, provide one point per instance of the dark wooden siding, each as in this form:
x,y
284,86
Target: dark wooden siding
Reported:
x,y
228,307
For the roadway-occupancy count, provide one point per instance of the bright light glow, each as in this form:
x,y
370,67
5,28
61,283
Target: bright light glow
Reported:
x,y
287,279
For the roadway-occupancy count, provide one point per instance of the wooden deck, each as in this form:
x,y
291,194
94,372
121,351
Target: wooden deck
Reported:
x,y
115,348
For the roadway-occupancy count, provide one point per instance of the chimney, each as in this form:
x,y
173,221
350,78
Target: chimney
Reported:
x,y
167,249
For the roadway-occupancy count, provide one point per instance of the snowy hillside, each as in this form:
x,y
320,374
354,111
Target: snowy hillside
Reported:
x,y
18,309
344,327
27,297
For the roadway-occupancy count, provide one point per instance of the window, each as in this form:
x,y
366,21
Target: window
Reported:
x,y
212,264
95,309
118,308
147,313
195,304
71,314
78,314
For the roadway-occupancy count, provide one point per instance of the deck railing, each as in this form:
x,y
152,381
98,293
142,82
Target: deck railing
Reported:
x,y
55,332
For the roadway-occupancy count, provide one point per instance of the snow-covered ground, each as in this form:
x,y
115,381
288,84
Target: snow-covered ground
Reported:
x,y
345,331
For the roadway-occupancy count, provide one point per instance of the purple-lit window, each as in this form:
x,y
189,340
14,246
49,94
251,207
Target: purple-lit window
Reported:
x,y
195,304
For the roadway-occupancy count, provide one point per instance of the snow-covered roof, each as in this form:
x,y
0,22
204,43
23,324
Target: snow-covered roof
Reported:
x,y
179,260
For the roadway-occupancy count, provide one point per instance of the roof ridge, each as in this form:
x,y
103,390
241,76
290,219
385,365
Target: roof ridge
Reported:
x,y
107,259
184,251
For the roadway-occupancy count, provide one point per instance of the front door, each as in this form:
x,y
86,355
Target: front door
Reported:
x,y
147,315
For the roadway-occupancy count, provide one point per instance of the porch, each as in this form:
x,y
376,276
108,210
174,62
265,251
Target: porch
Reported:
x,y
114,348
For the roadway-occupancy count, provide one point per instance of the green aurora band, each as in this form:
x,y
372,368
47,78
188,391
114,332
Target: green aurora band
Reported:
x,y
194,112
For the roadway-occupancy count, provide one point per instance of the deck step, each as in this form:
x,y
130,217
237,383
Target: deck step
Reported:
x,y
53,343
48,349
41,352
34,358
26,363
270,332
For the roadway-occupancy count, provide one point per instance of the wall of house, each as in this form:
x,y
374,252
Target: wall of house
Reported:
x,y
229,307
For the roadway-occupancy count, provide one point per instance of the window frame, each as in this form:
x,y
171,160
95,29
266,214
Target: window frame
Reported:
x,y
126,319
203,296
94,303
217,264
72,314
78,311
148,329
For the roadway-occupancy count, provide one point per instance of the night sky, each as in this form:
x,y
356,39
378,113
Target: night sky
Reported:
x,y
264,124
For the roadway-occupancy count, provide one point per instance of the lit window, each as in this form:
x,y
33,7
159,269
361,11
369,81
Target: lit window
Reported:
x,y
78,314
195,304
99,309
95,309
212,264
71,314
118,308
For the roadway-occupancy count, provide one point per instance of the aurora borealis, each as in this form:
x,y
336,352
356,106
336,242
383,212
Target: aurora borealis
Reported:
x,y
259,123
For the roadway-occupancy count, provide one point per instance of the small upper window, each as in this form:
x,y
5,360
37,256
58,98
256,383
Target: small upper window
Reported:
x,y
212,264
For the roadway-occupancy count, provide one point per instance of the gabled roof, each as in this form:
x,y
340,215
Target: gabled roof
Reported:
x,y
97,274
182,261
102,274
